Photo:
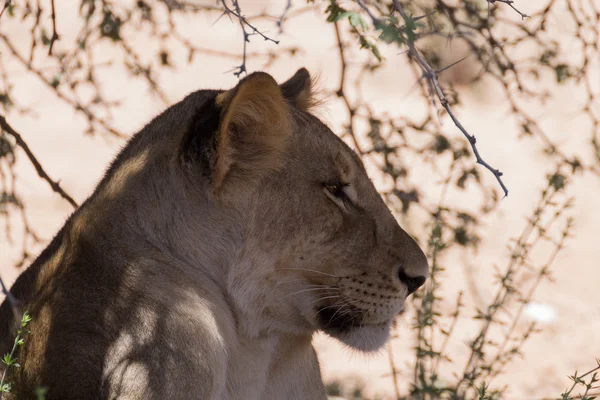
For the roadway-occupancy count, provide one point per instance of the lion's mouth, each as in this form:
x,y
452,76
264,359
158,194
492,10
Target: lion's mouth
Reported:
x,y
354,326
343,319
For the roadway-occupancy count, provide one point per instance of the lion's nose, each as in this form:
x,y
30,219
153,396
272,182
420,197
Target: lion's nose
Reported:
x,y
412,266
411,282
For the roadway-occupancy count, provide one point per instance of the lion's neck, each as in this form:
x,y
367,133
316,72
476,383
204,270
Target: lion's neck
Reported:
x,y
202,240
191,229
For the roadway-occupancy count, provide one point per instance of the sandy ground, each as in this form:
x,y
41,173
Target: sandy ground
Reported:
x,y
567,343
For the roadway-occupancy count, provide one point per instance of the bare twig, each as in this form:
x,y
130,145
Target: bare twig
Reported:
x,y
6,4
75,103
55,185
284,15
34,27
432,77
341,93
510,3
55,36
189,6
393,368
449,332
376,21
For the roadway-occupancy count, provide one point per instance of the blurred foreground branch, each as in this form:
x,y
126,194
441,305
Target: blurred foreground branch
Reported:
x,y
14,303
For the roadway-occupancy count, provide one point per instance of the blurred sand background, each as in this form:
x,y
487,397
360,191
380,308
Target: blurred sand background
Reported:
x,y
570,342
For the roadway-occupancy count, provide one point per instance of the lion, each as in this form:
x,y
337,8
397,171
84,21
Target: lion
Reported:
x,y
227,232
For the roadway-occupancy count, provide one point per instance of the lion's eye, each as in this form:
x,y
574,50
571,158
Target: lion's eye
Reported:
x,y
336,191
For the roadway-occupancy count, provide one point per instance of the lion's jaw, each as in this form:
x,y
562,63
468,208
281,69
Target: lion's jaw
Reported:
x,y
302,303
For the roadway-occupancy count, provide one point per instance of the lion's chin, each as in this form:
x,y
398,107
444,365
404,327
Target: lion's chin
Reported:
x,y
365,338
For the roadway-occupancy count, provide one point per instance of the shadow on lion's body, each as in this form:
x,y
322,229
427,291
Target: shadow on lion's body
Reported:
x,y
188,273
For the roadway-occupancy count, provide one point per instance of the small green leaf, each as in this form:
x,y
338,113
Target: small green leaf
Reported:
x,y
45,38
40,392
164,58
562,73
410,27
26,318
55,82
335,12
390,34
365,44
558,181
356,20
110,26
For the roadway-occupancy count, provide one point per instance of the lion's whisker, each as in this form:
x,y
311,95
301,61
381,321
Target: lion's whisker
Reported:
x,y
354,317
303,291
344,312
309,270
325,298
320,299
365,316
289,281
336,304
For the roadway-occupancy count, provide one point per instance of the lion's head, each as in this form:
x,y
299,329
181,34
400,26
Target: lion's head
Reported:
x,y
319,249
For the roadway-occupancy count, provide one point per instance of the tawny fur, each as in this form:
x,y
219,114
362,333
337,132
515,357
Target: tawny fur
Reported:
x,y
228,230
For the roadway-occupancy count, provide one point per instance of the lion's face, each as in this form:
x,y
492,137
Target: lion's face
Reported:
x,y
321,249
337,257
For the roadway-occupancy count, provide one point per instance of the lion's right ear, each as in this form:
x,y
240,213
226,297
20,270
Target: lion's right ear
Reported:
x,y
299,90
246,131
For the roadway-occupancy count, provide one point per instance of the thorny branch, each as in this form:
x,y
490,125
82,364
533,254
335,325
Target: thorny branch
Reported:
x,y
432,78
55,185
243,21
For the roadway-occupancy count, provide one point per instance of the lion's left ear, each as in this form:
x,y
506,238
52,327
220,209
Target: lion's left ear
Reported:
x,y
253,130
